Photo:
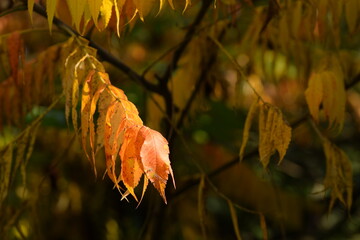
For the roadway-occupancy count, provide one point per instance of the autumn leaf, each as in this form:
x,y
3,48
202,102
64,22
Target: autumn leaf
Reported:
x,y
50,10
77,9
249,118
275,133
326,89
338,176
314,95
154,155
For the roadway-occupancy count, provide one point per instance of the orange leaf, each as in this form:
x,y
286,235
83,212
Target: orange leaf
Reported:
x,y
131,166
154,155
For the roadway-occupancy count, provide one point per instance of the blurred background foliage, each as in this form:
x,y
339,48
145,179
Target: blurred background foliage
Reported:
x,y
56,196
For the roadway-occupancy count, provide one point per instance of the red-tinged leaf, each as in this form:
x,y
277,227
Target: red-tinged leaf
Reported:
x,y
154,155
131,167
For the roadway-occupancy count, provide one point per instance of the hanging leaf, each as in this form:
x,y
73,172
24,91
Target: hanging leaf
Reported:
x,y
77,9
105,13
31,9
275,133
154,155
314,95
143,7
50,10
249,119
338,176
94,7
327,88
234,219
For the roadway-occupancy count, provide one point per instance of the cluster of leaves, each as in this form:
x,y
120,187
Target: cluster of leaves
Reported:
x,y
21,90
118,127
99,12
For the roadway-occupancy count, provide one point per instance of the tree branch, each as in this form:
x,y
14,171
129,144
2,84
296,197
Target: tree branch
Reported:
x,y
105,55
188,36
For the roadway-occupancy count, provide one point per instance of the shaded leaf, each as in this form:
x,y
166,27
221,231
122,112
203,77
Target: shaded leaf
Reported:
x,y
50,10
249,119
234,219
338,176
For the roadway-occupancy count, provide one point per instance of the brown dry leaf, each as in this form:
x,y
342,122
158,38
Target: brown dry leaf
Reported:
x,y
338,176
275,133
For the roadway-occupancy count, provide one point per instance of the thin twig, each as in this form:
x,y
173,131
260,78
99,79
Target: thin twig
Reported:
x,y
188,37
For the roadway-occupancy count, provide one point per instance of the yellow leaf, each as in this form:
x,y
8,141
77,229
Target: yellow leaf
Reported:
x,y
94,7
118,4
338,176
234,219
85,112
31,9
275,134
77,9
105,13
282,136
187,4
266,148
93,104
249,118
314,95
143,7
50,10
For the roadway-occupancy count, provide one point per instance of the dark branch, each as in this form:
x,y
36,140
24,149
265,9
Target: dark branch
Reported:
x,y
105,55
188,36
